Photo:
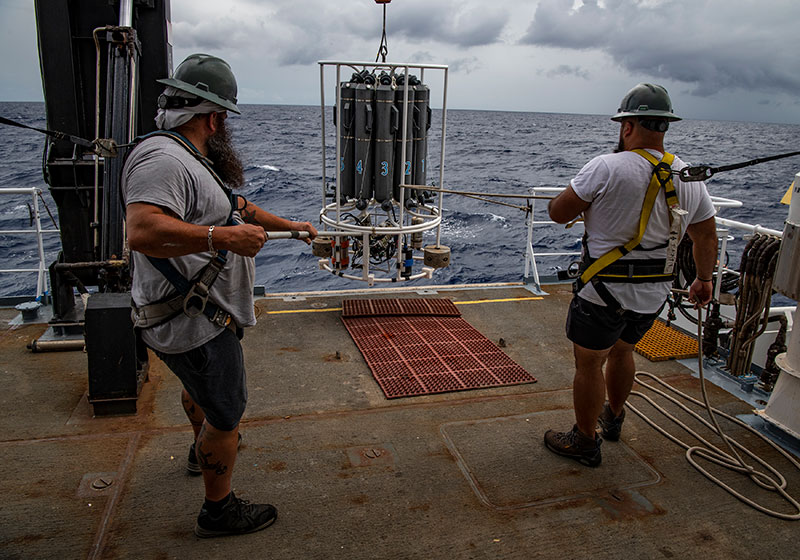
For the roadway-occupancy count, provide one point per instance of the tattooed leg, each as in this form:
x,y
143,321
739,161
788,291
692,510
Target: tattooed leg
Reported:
x,y
193,412
216,454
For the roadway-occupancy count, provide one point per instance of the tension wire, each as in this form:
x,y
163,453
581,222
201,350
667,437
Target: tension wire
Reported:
x,y
703,172
102,147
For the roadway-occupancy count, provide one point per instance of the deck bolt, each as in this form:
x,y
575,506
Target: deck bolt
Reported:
x,y
101,484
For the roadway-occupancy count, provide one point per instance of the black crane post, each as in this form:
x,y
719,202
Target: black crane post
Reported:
x,y
100,60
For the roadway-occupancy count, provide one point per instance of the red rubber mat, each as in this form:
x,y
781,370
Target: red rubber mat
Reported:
x,y
376,307
425,354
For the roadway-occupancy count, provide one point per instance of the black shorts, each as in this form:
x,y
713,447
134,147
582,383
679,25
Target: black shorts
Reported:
x,y
598,328
213,375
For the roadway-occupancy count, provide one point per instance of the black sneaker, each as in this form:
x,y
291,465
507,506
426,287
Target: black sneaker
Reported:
x,y
192,466
238,517
610,426
575,445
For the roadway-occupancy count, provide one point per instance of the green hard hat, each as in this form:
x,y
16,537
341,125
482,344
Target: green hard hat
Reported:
x,y
207,77
646,100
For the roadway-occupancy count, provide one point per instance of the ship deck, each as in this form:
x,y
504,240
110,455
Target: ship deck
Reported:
x,y
354,475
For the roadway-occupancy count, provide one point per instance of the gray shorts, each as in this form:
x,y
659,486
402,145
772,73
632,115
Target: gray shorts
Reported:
x,y
213,375
597,327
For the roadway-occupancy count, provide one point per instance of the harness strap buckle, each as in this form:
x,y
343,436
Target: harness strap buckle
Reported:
x,y
221,318
194,303
196,299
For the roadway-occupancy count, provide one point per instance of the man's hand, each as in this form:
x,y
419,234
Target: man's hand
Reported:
x,y
245,239
252,214
700,293
306,226
704,250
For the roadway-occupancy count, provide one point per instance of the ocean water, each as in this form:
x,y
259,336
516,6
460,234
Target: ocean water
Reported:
x,y
486,151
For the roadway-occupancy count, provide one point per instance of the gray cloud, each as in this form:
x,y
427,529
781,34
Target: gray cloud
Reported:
x,y
466,65
709,44
297,33
565,70
443,21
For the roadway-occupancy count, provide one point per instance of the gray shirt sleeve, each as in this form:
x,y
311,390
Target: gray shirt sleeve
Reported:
x,y
157,177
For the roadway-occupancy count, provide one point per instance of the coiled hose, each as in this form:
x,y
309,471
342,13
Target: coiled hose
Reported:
x,y
757,270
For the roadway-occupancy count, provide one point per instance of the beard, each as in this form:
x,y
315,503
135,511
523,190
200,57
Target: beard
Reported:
x,y
226,160
620,144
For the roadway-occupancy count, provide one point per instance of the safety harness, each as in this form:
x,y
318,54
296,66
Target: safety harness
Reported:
x,y
191,296
607,269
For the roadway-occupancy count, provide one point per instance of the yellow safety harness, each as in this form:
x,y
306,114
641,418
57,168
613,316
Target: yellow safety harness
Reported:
x,y
607,269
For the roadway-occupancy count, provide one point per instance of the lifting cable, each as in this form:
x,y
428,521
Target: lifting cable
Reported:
x,y
383,49
710,452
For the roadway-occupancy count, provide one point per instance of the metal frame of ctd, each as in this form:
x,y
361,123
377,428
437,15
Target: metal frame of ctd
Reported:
x,y
331,213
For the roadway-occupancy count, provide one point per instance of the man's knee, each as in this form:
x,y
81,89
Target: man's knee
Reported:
x,y
621,348
222,431
589,359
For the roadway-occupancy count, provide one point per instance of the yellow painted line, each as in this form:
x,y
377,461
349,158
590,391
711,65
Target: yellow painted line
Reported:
x,y
498,300
303,311
455,302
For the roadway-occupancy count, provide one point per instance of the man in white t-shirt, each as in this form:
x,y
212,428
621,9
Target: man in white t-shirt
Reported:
x,y
633,204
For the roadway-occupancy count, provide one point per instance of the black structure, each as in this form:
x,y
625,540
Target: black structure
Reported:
x,y
100,60
117,360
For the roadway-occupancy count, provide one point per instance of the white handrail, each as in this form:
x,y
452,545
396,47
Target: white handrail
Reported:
x,y
531,274
36,229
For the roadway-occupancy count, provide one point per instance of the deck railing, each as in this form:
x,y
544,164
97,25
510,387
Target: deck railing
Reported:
x,y
35,229
531,275
532,257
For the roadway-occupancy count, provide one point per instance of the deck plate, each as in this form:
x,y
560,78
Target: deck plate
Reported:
x,y
527,474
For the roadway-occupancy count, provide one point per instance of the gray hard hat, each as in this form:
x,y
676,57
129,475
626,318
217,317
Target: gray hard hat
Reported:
x,y
646,100
207,77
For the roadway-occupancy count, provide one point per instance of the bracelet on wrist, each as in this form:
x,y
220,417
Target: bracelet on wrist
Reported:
x,y
703,279
211,240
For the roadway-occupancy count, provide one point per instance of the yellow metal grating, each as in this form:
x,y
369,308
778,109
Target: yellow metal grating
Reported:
x,y
666,343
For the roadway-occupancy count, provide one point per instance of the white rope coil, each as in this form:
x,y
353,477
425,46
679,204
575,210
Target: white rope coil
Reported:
x,y
733,460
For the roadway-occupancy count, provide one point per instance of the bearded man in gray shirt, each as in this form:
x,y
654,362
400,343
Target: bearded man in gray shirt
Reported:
x,y
189,233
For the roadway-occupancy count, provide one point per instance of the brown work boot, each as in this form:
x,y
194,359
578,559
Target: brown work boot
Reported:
x,y
575,445
610,426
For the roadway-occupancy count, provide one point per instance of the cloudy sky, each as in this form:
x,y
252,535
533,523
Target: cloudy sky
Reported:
x,y
719,59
